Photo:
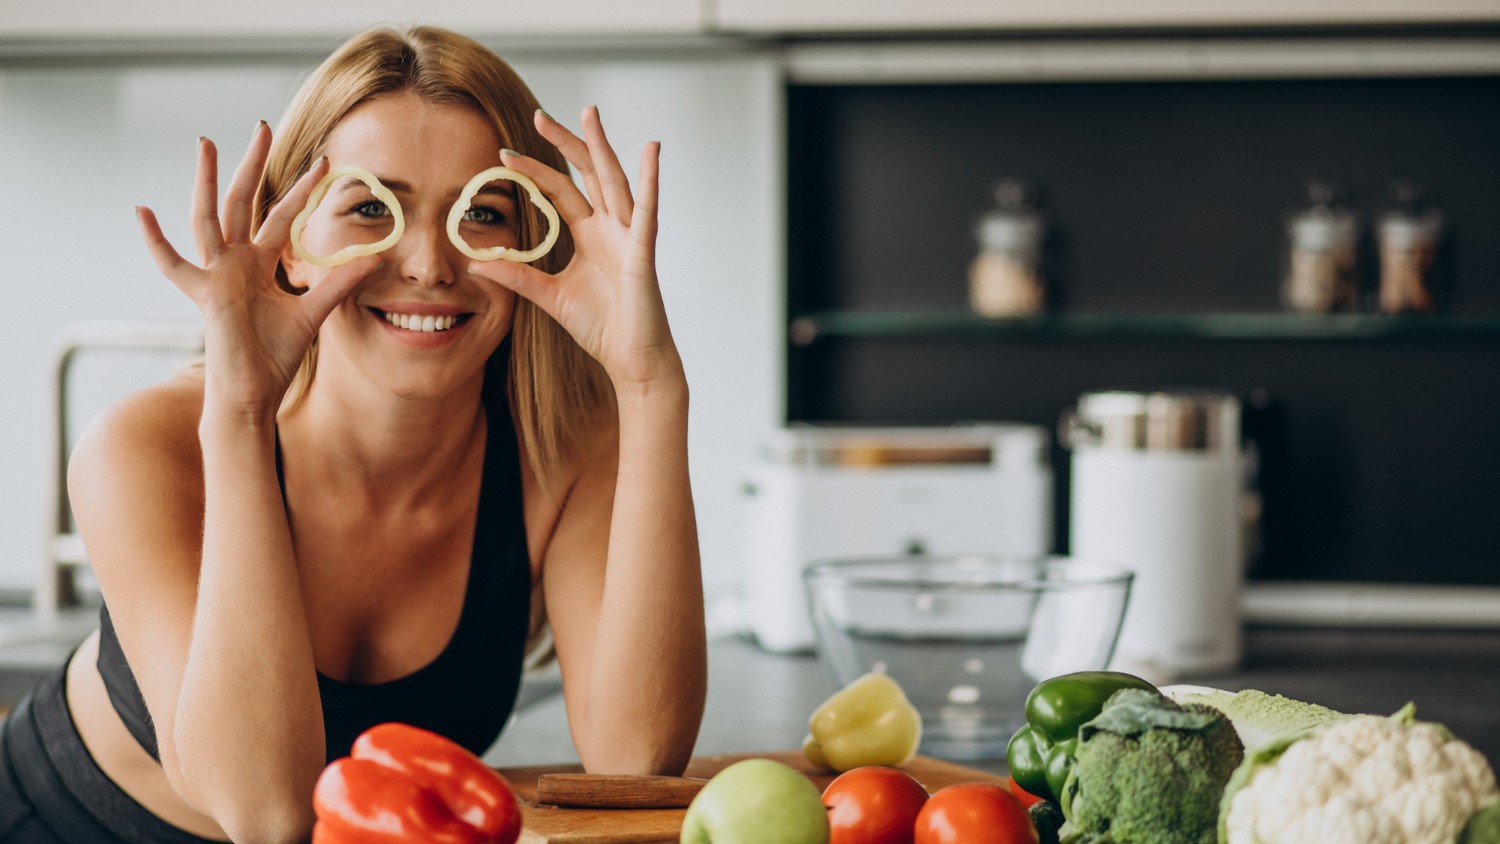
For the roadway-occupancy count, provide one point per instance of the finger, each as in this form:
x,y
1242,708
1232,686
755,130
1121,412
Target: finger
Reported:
x,y
320,300
570,201
576,152
277,229
172,265
239,202
205,212
527,281
611,175
643,222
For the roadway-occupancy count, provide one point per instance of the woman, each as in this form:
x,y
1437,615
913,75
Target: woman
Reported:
x,y
343,519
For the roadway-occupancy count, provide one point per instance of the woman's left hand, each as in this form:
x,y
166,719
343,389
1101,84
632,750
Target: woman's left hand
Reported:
x,y
607,297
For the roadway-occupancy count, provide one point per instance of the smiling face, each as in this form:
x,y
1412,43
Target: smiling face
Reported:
x,y
420,325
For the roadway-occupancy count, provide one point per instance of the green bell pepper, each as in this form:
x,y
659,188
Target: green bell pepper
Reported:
x,y
1040,754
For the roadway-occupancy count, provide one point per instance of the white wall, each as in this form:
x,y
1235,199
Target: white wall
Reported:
x,y
82,142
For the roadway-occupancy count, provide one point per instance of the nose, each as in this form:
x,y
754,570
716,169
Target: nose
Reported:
x,y
425,255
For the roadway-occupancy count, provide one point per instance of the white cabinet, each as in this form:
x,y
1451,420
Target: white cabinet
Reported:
x,y
846,16
110,20
159,21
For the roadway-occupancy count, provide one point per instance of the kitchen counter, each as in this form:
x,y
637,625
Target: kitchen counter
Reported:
x,y
759,701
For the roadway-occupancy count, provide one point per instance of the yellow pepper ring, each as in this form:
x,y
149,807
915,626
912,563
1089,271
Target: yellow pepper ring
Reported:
x,y
348,253
456,216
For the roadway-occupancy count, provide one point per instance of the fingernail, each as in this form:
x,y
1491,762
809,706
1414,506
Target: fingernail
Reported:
x,y
543,112
201,139
510,152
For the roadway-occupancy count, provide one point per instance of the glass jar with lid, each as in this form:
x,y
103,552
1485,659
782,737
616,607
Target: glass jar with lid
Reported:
x,y
1408,234
1005,276
1322,244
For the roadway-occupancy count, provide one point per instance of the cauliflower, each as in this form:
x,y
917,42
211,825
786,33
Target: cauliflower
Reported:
x,y
1361,779
1259,718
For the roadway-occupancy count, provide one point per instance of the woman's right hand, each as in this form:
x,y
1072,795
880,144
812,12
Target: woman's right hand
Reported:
x,y
255,333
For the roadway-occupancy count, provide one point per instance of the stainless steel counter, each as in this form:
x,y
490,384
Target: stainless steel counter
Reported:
x,y
761,701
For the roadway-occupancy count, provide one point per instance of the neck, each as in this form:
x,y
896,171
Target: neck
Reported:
x,y
393,452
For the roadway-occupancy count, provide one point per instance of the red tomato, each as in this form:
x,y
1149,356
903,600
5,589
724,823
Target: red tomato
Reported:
x,y
1027,798
974,813
873,805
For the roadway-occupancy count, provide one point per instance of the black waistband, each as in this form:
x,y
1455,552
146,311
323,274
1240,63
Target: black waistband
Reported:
x,y
45,756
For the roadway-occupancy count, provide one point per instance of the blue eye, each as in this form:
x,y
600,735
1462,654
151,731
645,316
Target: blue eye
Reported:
x,y
484,216
371,208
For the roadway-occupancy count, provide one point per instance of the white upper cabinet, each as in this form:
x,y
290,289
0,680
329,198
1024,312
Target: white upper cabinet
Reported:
x,y
161,21
174,20
890,16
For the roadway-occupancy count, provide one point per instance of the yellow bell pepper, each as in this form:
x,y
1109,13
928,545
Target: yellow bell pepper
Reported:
x,y
868,722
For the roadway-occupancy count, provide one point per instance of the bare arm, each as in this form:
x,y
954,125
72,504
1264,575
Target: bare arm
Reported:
x,y
623,584
629,631
209,611
195,561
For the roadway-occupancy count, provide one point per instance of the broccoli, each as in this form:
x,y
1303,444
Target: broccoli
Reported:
x,y
1150,772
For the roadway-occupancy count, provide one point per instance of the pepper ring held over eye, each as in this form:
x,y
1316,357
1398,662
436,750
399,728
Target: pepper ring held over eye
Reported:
x,y
456,215
348,253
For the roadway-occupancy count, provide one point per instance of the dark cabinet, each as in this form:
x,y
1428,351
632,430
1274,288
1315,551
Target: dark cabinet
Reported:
x,y
1379,437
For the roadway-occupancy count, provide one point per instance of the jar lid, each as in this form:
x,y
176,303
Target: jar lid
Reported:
x,y
1398,230
1009,231
1189,420
1319,229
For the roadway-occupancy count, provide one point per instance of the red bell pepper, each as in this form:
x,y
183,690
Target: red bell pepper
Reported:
x,y
404,784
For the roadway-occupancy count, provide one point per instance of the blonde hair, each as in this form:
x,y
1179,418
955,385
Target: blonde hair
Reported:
x,y
557,392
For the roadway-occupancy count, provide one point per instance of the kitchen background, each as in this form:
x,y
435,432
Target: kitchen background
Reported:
x,y
90,128
824,165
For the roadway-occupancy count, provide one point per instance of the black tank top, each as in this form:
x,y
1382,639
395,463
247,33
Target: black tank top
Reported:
x,y
467,692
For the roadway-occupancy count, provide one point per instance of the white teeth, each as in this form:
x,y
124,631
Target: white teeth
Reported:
x,y
415,322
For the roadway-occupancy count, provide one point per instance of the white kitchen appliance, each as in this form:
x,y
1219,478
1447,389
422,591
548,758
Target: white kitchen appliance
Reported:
x,y
820,493
1159,486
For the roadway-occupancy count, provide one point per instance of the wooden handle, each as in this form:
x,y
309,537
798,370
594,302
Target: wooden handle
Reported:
x,y
610,791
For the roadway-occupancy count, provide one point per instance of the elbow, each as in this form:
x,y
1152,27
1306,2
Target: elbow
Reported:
x,y
671,766
637,764
643,753
255,814
261,824
264,818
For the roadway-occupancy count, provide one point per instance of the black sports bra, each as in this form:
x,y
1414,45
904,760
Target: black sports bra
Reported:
x,y
467,692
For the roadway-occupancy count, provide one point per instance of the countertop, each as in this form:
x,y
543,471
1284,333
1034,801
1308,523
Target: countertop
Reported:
x,y
759,701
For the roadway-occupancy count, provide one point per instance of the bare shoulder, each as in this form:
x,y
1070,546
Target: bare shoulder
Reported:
x,y
584,482
593,465
144,443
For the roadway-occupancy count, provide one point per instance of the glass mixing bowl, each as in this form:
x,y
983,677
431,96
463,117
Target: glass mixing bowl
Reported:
x,y
966,637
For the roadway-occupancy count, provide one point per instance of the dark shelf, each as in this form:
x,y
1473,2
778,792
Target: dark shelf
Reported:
x,y
808,329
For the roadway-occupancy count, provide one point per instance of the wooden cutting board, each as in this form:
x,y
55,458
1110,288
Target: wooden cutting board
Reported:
x,y
547,824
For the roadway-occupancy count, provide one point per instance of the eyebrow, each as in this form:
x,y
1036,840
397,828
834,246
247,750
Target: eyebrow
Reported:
x,y
499,187
505,189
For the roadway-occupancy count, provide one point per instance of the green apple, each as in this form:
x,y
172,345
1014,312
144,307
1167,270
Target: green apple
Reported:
x,y
757,801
